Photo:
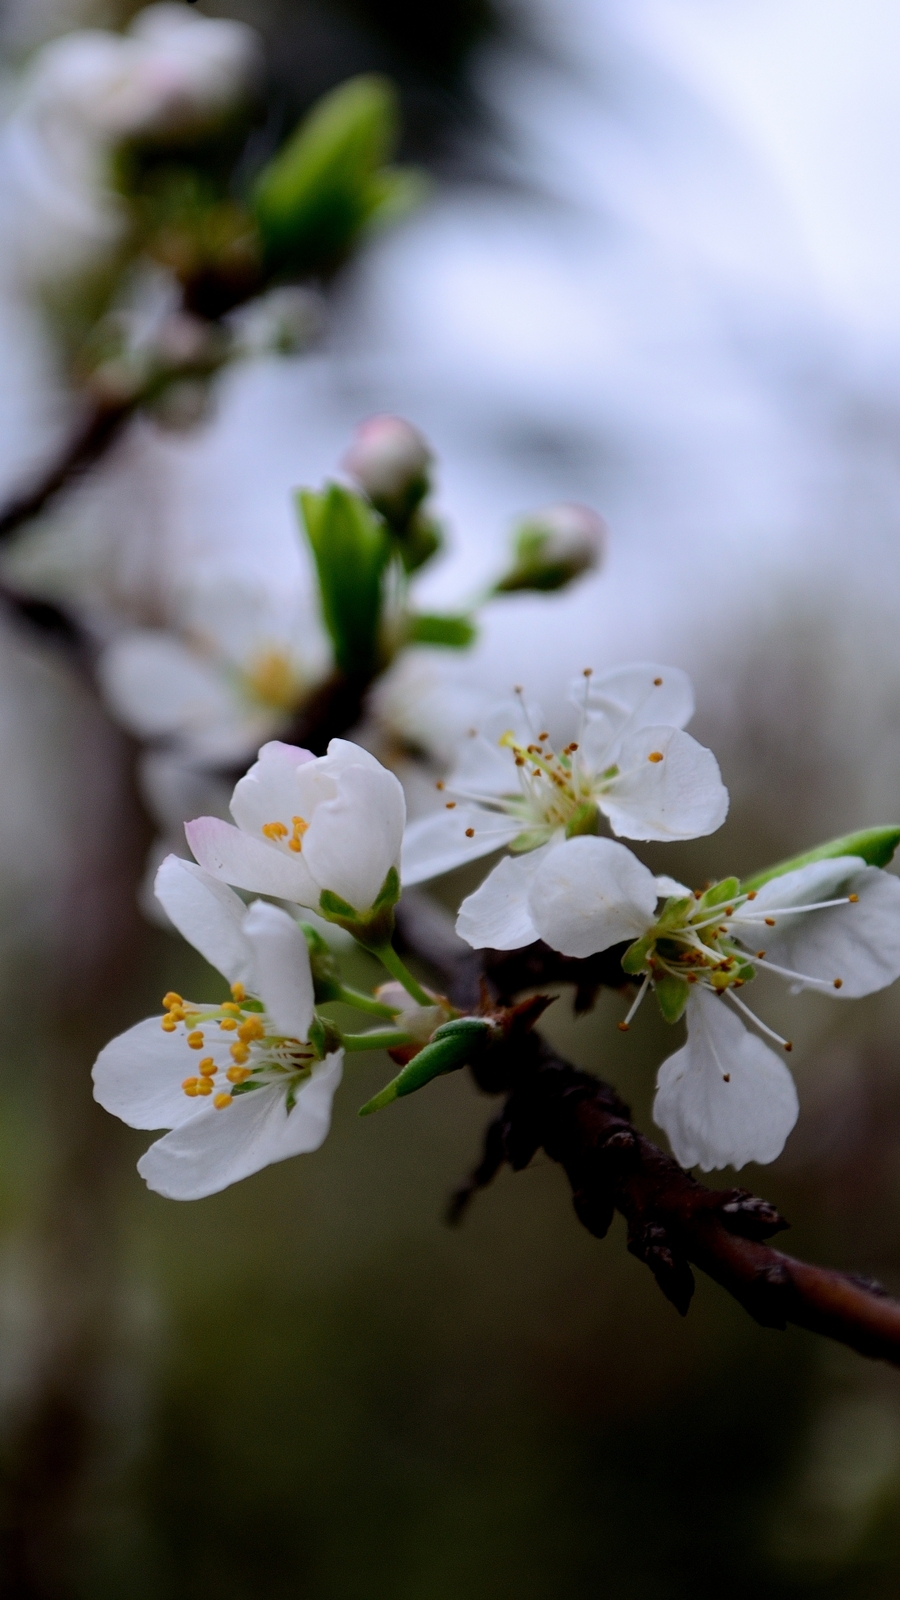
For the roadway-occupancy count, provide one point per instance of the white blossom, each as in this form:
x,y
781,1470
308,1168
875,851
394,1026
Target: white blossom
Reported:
x,y
832,925
631,763
307,824
238,1084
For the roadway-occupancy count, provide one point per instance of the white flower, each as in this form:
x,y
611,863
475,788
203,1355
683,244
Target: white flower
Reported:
x,y
632,763
238,1084
306,825
831,925
232,675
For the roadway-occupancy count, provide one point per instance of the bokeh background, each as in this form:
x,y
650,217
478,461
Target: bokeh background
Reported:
x,y
657,271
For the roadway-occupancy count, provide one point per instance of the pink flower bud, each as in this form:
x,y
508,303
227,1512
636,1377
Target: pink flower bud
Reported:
x,y
572,534
389,461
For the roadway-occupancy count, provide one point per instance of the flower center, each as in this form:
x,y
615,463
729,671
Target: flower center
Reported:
x,y
276,831
272,679
555,789
243,1051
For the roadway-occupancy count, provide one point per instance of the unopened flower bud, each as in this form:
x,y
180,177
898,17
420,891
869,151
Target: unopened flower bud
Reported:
x,y
554,546
389,460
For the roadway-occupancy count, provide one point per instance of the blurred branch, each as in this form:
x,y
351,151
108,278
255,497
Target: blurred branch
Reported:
x,y
674,1222
99,429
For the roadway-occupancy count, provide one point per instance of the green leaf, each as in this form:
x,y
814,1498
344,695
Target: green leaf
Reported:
x,y
720,893
331,178
456,633
875,846
351,547
672,994
451,1046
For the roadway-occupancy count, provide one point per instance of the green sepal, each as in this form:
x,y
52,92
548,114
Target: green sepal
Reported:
x,y
418,535
331,179
585,820
244,1088
874,846
635,958
323,963
535,568
351,547
673,913
324,1037
720,893
373,928
451,1046
454,633
672,995
532,839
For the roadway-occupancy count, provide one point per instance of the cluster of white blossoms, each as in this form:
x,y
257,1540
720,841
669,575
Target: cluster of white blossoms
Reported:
x,y
329,833
830,924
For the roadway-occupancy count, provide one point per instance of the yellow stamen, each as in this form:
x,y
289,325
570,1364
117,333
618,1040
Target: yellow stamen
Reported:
x,y
208,1067
172,999
655,755
239,1053
853,898
238,992
231,1009
221,1101
195,1039
168,1023
251,1028
189,1085
203,1086
237,1074
300,827
274,830
229,1025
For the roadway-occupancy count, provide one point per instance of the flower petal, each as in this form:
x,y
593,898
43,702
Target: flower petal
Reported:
x,y
670,788
589,894
230,854
284,981
354,839
342,753
157,686
641,695
216,1148
497,916
284,781
484,767
138,1076
438,843
725,1098
209,915
856,943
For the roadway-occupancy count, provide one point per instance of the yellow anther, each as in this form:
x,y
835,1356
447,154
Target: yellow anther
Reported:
x,y
190,1085
177,1013
657,682
172,999
221,1101
300,827
208,1067
770,922
622,1026
231,1009
204,1086
229,1025
853,898
195,1039
450,805
470,833
655,755
238,1074
238,992
251,1028
168,1023
839,983
273,678
240,1053
274,830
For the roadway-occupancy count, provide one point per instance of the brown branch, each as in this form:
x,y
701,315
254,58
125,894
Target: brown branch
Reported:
x,y
98,430
674,1222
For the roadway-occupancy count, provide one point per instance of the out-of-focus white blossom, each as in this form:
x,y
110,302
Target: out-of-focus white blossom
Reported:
x,y
389,461
174,71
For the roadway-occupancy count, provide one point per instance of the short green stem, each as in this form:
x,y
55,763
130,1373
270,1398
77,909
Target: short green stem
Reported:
x,y
365,1002
389,958
378,1039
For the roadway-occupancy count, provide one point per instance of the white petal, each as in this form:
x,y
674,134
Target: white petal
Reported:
x,y
591,893
354,839
284,782
217,1148
284,980
483,767
342,753
228,853
725,1098
157,686
497,916
857,943
138,1076
680,797
642,695
209,915
438,843
670,889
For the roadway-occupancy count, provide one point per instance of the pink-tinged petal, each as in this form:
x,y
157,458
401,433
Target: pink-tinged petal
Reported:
x,y
219,1147
354,839
284,981
285,782
228,853
725,1098
138,1076
670,788
589,894
209,915
497,916
440,842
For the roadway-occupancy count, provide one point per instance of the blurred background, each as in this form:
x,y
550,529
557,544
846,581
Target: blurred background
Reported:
x,y
654,268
